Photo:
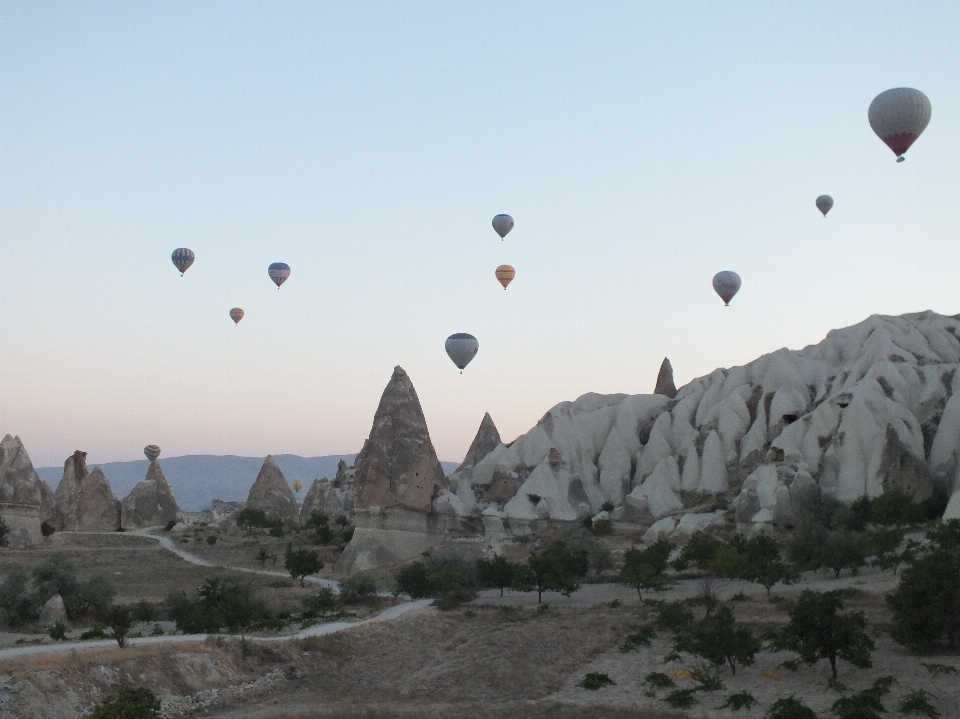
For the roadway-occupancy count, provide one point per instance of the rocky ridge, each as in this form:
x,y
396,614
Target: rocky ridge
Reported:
x,y
151,503
871,408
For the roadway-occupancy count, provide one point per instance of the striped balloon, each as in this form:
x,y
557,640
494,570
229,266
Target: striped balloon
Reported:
x,y
152,451
505,275
279,272
461,348
502,224
236,314
898,116
182,259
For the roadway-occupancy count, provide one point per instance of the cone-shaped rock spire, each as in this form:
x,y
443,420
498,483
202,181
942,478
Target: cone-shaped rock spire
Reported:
x,y
487,440
272,493
665,385
398,465
150,503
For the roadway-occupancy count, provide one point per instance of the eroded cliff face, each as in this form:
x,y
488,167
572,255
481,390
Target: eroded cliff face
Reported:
x,y
151,503
869,409
85,501
22,496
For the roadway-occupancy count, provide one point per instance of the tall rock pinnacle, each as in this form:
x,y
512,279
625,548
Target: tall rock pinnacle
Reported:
x,y
398,466
487,440
665,385
271,493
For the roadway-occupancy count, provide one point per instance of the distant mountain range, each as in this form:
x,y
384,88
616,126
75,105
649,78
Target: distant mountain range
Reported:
x,y
198,479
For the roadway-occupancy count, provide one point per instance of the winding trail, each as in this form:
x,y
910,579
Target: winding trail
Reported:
x,y
168,544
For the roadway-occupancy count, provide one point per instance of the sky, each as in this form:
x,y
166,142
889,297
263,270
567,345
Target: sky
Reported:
x,y
641,147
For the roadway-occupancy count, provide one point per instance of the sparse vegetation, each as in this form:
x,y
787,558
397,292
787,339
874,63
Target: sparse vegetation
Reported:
x,y
790,708
301,563
357,587
128,704
817,630
643,568
595,680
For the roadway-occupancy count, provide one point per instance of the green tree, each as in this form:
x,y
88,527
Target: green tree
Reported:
x,y
882,544
699,550
926,604
220,604
557,569
497,572
144,611
790,708
119,618
414,581
56,574
764,564
17,605
718,639
644,568
322,603
128,704
817,630
301,563
357,586
843,550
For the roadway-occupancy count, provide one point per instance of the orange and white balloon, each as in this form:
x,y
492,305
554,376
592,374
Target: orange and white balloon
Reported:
x,y
505,275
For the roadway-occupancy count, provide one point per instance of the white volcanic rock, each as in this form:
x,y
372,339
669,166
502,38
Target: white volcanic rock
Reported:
x,y
21,494
151,503
486,440
869,409
53,611
325,496
271,493
85,501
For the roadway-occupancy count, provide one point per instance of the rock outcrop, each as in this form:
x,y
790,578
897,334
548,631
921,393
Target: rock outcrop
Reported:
x,y
665,385
398,466
53,611
151,503
273,494
486,440
325,496
20,494
396,477
870,409
85,502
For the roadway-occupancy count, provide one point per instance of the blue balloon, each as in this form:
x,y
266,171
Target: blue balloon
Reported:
x,y
182,259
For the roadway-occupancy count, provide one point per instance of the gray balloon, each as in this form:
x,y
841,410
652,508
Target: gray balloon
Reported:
x,y
824,203
726,284
502,224
461,348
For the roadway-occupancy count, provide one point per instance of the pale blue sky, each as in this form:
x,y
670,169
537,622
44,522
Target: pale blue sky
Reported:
x,y
640,146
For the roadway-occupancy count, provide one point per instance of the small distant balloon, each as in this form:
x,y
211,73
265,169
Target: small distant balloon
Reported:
x,y
297,485
279,272
726,284
236,314
461,348
824,203
898,116
151,451
503,224
505,275
182,259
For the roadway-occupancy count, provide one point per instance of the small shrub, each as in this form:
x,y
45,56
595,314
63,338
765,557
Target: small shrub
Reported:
x,y
681,698
640,638
918,702
937,670
595,680
607,506
790,708
866,704
602,527
46,529
144,611
738,701
95,633
658,680
57,631
356,587
157,631
128,704
212,539
707,679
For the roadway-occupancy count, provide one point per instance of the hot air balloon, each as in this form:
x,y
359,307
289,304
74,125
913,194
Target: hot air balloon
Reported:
x,y
182,259
898,116
505,275
279,272
824,203
151,451
726,284
297,485
503,224
461,348
236,314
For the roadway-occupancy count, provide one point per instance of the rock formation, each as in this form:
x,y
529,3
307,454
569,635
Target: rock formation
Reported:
x,y
870,409
20,494
273,494
665,385
397,475
324,495
398,466
85,502
53,610
487,440
151,503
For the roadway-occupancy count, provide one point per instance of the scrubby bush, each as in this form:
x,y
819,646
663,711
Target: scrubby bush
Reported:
x,y
357,586
301,563
583,542
321,604
555,569
866,704
595,680
790,708
4,541
220,604
817,630
699,551
496,573
918,702
128,704
57,631
643,568
46,529
719,640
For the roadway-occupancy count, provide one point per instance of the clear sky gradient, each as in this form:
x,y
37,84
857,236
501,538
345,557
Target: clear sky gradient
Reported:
x,y
640,146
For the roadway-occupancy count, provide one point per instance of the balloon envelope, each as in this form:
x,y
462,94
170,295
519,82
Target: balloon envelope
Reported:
x,y
151,451
236,314
461,348
505,275
182,259
898,116
726,284
502,224
297,485
824,203
279,272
